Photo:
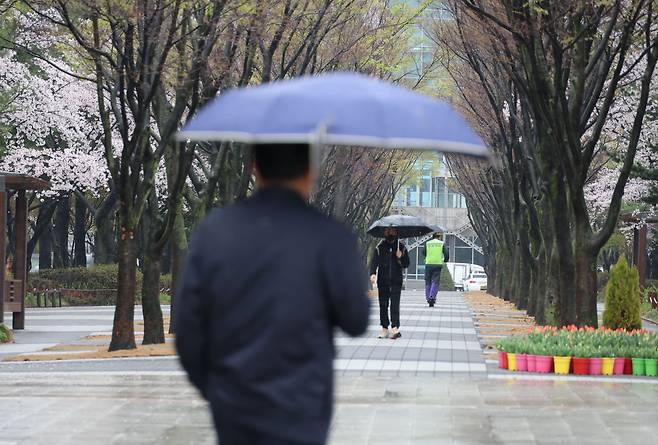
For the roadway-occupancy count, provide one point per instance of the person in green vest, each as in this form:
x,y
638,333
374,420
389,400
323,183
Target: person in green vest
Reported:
x,y
436,253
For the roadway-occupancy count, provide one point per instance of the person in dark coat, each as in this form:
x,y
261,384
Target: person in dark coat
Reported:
x,y
265,283
389,260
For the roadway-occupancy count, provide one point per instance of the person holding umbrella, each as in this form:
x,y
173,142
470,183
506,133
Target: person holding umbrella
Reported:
x,y
267,279
436,254
389,260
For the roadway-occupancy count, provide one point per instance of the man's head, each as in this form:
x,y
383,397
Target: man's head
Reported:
x,y
284,165
438,235
391,234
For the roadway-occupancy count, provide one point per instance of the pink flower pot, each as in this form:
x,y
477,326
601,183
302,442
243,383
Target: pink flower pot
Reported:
x,y
502,360
532,363
522,362
595,366
619,366
544,364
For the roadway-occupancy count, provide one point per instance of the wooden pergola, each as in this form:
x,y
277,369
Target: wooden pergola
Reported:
x,y
640,230
13,289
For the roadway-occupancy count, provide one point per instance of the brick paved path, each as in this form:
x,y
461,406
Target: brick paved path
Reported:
x,y
435,341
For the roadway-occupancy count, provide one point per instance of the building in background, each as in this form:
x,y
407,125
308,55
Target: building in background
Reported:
x,y
428,194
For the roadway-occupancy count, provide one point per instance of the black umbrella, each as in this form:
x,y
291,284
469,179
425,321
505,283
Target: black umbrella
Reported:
x,y
406,226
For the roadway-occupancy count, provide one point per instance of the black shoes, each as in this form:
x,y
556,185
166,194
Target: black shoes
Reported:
x,y
431,303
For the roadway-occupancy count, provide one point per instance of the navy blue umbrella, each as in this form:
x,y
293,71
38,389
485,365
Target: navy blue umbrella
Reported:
x,y
335,109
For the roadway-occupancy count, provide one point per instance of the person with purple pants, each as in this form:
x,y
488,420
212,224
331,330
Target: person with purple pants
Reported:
x,y
436,254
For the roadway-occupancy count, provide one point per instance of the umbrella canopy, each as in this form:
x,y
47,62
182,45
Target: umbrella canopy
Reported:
x,y
437,228
407,226
335,109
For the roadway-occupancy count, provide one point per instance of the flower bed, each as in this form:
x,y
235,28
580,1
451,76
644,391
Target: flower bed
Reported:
x,y
584,351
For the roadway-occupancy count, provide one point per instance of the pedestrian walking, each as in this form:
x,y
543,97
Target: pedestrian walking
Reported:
x,y
436,254
389,260
265,283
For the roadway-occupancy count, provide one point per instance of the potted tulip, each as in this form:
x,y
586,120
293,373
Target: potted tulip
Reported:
x,y
562,355
511,353
582,353
638,356
501,346
543,357
523,345
596,361
533,347
651,362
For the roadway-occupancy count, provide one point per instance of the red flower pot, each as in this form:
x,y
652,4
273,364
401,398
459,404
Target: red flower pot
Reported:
x,y
544,364
580,365
502,360
628,366
521,362
619,365
532,363
595,365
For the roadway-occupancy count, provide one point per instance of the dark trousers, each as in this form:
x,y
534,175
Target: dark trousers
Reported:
x,y
389,294
230,433
432,274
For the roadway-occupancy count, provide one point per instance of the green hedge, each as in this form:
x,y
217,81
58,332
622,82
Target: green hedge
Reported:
x,y
95,277
100,277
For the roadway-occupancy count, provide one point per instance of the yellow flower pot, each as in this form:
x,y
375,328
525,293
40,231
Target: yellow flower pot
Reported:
x,y
608,365
562,364
511,362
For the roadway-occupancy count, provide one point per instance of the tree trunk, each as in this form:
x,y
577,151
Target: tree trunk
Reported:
x,y
80,234
150,261
178,253
46,248
523,283
61,234
153,326
586,289
123,331
105,247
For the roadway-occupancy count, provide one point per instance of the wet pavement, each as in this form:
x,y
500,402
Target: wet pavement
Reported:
x,y
93,408
429,387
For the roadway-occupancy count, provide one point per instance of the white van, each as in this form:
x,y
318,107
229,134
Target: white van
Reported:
x,y
461,271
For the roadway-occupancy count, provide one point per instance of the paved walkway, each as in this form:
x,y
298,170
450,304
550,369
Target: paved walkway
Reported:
x,y
435,341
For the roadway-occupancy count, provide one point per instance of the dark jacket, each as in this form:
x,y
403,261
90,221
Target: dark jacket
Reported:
x,y
390,267
265,283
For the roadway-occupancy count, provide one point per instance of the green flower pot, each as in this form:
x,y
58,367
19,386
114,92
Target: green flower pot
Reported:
x,y
651,367
638,366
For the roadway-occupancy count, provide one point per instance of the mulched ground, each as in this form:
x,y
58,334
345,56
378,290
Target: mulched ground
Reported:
x,y
96,346
496,318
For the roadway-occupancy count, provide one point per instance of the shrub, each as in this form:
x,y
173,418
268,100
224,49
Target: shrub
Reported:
x,y
445,281
622,298
5,334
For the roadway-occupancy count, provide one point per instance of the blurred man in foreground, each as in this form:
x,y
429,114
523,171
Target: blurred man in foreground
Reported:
x,y
265,283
